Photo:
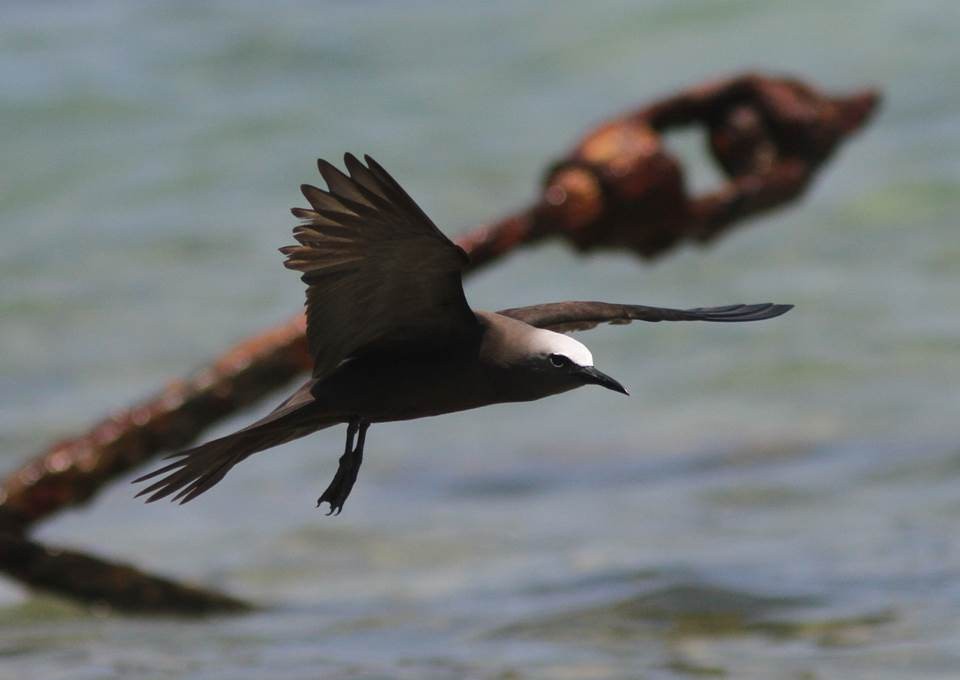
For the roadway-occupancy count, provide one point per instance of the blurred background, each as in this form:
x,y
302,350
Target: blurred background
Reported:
x,y
775,500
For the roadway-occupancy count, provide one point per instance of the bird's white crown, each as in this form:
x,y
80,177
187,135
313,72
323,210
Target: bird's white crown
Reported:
x,y
548,342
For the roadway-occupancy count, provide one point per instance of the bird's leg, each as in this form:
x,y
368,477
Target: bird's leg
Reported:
x,y
336,494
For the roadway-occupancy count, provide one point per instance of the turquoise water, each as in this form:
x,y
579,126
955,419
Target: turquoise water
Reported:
x,y
777,500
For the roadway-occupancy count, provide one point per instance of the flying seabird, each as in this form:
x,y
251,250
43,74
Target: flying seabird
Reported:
x,y
393,338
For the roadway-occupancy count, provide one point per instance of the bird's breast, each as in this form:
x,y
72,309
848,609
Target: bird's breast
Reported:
x,y
406,388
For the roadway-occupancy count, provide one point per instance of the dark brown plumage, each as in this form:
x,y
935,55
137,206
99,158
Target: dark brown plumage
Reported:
x,y
380,276
393,337
563,317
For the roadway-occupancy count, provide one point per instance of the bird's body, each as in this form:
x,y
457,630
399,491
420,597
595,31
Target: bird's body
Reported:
x,y
378,388
393,337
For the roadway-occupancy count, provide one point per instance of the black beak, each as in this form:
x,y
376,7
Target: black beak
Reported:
x,y
594,377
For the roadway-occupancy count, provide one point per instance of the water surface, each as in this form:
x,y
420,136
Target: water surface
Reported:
x,y
774,500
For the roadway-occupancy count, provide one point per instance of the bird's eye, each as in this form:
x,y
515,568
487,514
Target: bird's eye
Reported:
x,y
558,360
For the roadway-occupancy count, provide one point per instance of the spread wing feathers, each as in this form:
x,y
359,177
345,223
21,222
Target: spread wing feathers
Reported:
x,y
380,275
578,316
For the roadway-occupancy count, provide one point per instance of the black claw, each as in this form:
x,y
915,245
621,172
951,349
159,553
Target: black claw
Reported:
x,y
339,490
335,507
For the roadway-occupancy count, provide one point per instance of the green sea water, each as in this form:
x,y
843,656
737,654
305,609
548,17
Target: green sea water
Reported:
x,y
775,500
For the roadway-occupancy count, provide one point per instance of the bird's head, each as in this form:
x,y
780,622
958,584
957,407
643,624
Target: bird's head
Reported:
x,y
563,363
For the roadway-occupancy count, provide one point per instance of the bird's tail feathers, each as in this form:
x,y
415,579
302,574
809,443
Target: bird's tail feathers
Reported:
x,y
196,470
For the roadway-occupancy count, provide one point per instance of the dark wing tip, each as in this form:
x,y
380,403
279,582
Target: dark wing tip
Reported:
x,y
303,213
731,313
328,169
376,167
779,310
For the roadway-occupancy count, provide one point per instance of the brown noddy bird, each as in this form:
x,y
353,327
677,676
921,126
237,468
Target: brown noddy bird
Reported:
x,y
393,338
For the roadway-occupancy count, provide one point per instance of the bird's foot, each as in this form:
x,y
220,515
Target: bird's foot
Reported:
x,y
339,489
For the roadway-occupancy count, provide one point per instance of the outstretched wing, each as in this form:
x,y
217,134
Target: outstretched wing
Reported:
x,y
380,275
579,316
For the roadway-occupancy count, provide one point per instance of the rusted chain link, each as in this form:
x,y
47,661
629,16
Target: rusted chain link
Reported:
x,y
93,580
